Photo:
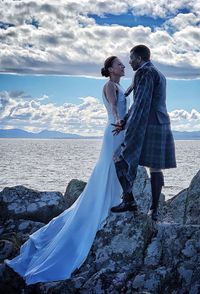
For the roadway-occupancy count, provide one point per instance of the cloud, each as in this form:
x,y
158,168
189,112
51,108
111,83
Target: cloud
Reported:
x,y
163,8
182,21
86,118
183,120
47,37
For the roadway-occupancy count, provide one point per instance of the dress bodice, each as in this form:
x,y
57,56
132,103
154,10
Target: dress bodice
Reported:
x,y
121,104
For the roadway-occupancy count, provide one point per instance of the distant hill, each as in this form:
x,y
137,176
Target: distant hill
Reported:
x,y
186,135
17,133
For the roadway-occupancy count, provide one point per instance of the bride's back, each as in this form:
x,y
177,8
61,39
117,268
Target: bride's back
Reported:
x,y
121,104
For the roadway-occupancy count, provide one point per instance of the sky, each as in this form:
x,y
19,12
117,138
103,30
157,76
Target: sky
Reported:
x,y
51,54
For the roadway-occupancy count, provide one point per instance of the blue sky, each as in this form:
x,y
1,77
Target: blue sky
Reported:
x,y
51,55
127,19
61,89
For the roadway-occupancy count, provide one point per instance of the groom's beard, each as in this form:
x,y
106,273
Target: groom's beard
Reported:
x,y
135,67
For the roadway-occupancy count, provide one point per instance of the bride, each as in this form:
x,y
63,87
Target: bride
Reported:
x,y
53,252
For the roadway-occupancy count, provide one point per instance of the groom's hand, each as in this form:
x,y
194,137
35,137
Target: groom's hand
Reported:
x,y
118,127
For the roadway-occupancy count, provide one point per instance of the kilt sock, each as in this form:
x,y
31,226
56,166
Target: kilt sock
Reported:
x,y
157,181
121,170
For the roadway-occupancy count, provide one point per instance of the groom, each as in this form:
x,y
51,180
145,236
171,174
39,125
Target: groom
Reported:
x,y
148,138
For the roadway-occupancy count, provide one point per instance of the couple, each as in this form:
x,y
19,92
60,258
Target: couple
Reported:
x,y
140,136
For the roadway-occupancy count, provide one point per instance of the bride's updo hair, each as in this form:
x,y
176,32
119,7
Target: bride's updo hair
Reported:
x,y
107,63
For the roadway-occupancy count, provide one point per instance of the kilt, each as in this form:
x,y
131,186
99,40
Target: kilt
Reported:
x,y
158,150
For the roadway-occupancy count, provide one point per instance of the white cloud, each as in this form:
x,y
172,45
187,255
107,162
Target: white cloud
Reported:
x,y
183,120
86,118
182,21
48,37
162,8
180,114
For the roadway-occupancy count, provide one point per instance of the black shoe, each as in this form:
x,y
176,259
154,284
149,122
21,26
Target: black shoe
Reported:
x,y
125,206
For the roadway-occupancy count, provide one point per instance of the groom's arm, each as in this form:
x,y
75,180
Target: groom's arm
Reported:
x,y
131,88
143,87
139,111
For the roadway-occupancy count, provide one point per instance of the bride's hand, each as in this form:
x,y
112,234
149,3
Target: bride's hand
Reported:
x,y
118,127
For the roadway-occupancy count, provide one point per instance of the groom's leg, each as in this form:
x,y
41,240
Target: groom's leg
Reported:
x,y
128,199
121,170
157,181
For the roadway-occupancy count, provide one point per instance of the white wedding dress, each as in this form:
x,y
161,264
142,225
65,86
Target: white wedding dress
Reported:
x,y
53,252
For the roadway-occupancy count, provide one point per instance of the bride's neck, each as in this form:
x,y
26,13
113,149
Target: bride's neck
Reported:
x,y
115,79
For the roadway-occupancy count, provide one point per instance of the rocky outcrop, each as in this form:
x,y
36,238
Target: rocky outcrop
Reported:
x,y
117,252
20,202
184,207
141,190
6,248
174,210
130,254
172,261
192,215
73,191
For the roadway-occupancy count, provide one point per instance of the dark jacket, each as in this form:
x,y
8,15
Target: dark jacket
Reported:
x,y
149,107
158,110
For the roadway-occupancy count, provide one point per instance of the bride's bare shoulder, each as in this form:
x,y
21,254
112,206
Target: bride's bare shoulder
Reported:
x,y
109,85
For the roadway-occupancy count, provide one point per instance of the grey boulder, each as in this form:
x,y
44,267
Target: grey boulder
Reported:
x,y
21,202
184,207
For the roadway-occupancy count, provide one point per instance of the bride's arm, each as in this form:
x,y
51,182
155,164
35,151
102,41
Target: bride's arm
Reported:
x,y
110,91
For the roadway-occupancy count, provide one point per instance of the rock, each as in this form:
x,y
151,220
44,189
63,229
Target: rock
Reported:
x,y
175,208
22,226
63,287
10,282
6,248
153,253
2,270
117,251
184,207
172,261
73,191
121,243
21,202
1,230
192,215
105,281
130,254
141,190
149,282
16,232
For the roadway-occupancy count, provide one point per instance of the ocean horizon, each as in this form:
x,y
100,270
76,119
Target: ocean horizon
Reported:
x,y
50,164
48,134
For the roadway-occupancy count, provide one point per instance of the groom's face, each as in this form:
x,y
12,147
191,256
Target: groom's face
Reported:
x,y
134,61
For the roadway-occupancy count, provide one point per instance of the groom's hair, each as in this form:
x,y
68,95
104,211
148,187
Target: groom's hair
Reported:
x,y
142,51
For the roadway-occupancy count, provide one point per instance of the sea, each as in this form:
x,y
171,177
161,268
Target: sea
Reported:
x,y
50,164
